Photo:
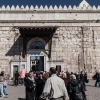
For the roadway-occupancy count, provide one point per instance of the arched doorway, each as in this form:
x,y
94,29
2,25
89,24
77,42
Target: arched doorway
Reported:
x,y
36,54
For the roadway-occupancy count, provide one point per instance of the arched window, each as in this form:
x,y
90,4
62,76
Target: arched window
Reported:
x,y
37,45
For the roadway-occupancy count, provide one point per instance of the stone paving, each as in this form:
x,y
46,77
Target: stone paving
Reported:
x,y
15,93
93,93
18,93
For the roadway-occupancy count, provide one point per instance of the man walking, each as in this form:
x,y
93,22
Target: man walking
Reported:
x,y
97,79
55,87
16,78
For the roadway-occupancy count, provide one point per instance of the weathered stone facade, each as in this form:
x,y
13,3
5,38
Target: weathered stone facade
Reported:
x,y
75,42
9,49
78,47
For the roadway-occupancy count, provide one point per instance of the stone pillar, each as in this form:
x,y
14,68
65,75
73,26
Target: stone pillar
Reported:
x,y
87,47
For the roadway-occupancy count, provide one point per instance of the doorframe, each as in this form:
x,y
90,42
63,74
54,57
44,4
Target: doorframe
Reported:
x,y
37,53
16,63
37,56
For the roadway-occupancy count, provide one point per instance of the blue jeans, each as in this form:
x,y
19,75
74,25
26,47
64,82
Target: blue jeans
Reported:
x,y
1,90
97,83
4,89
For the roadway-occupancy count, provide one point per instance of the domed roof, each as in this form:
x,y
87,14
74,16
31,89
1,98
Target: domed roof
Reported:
x,y
84,3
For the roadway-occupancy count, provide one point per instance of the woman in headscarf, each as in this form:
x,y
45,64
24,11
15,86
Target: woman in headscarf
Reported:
x,y
30,87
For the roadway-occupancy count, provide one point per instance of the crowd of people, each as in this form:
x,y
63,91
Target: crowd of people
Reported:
x,y
55,85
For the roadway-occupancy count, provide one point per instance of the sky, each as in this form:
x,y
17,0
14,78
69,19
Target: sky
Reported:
x,y
46,2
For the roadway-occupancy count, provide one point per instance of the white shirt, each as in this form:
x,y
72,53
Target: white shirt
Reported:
x,y
58,86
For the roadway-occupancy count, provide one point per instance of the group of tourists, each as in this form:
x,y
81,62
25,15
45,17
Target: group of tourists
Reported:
x,y
55,85
52,85
3,84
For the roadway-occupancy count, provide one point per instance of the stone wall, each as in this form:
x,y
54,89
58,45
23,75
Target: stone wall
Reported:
x,y
78,47
10,47
66,46
96,48
76,40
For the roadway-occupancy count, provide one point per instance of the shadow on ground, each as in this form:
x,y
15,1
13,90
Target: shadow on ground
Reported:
x,y
90,85
21,99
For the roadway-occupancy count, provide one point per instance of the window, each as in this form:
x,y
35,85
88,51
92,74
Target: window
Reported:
x,y
37,45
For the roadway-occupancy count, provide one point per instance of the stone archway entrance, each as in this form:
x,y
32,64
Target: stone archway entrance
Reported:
x,y
37,56
37,41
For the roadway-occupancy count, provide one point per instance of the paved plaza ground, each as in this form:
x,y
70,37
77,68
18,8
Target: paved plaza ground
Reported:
x,y
18,93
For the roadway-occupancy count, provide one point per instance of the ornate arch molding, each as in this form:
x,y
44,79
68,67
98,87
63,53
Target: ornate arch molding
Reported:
x,y
36,42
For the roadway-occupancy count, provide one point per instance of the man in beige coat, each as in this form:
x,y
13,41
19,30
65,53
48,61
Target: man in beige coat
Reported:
x,y
55,87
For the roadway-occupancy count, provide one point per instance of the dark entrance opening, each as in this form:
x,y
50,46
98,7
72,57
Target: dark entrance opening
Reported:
x,y
58,68
15,68
37,63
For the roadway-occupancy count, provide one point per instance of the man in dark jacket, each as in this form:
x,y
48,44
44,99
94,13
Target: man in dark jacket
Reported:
x,y
40,82
75,89
97,79
83,79
16,78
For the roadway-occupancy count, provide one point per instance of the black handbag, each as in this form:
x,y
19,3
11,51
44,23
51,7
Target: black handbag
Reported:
x,y
87,80
79,96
